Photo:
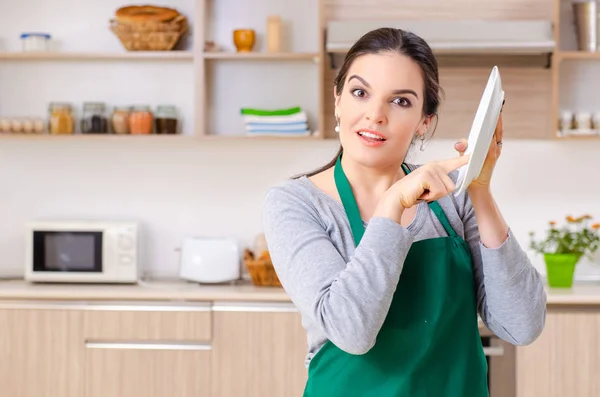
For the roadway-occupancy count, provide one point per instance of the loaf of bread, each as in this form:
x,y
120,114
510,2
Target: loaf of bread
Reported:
x,y
145,13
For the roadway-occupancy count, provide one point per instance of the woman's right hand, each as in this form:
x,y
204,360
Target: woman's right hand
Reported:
x,y
429,182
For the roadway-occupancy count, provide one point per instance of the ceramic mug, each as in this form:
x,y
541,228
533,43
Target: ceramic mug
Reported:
x,y
244,39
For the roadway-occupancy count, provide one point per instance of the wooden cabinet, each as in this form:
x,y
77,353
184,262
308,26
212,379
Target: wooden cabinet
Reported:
x,y
99,349
40,352
565,360
258,351
147,350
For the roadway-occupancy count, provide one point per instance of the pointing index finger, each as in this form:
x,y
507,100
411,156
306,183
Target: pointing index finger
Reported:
x,y
454,163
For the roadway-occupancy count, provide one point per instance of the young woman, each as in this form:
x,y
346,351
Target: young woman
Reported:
x,y
388,269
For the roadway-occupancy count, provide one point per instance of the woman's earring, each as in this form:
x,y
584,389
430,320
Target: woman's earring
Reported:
x,y
422,143
337,124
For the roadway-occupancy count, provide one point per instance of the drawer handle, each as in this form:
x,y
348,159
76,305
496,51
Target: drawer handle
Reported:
x,y
147,345
493,351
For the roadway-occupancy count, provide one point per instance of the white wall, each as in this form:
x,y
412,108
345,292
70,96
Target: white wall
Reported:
x,y
214,188
177,189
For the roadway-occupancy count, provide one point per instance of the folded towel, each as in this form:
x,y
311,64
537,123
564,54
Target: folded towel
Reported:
x,y
294,118
290,134
296,126
274,112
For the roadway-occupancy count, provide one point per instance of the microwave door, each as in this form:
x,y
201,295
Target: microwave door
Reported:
x,y
73,251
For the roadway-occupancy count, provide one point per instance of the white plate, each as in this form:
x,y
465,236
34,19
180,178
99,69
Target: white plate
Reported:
x,y
482,131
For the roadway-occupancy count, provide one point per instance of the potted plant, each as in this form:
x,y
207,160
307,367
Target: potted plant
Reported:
x,y
564,246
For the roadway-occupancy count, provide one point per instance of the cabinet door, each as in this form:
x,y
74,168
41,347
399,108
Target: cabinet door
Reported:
x,y
153,370
258,351
41,351
565,360
150,350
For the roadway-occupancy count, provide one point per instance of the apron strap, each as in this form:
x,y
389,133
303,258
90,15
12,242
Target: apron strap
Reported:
x,y
349,202
437,210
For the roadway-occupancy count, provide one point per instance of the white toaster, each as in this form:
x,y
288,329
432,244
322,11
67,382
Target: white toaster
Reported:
x,y
210,260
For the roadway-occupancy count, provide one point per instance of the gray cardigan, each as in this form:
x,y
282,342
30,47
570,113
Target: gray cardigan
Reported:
x,y
343,293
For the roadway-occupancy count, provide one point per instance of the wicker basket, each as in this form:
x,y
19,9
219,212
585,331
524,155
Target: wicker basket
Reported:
x,y
261,269
150,36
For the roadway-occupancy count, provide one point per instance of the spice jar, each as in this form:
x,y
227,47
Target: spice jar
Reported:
x,y
94,119
61,119
120,120
166,119
140,120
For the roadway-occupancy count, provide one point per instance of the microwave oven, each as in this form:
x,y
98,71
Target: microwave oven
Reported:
x,y
82,252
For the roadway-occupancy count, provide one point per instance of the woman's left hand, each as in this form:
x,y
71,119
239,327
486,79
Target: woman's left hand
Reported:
x,y
485,176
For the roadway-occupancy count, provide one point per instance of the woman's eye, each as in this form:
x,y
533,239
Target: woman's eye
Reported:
x,y
402,102
359,93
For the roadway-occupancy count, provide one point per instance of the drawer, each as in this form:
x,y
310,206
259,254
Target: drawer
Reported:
x,y
144,370
148,322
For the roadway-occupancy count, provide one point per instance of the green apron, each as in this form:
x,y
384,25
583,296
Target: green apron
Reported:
x,y
429,344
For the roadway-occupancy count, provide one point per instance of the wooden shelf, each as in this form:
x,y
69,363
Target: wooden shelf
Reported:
x,y
260,137
265,56
159,137
100,56
578,138
582,55
151,137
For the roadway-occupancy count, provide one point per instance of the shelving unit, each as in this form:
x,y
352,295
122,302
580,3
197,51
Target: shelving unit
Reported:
x,y
228,80
220,83
87,63
575,73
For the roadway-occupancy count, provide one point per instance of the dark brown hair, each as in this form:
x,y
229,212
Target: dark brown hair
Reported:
x,y
405,43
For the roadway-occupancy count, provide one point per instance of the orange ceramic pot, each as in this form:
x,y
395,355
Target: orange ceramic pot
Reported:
x,y
244,39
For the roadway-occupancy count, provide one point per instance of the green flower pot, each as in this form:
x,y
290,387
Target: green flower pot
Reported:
x,y
560,269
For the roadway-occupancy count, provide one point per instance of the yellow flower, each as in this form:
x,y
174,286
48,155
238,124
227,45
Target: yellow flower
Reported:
x,y
570,219
552,223
596,226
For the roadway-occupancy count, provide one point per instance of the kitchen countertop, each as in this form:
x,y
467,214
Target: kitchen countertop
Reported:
x,y
144,291
582,293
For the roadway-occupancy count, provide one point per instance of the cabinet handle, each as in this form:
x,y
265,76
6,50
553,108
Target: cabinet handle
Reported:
x,y
493,351
148,345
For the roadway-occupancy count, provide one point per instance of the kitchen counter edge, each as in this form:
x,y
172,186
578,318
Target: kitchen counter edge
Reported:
x,y
579,294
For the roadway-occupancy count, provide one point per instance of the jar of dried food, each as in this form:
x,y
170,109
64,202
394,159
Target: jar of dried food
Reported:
x,y
61,120
140,120
166,119
120,119
94,120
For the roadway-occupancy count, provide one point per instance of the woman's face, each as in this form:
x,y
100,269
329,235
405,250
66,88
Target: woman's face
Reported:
x,y
380,109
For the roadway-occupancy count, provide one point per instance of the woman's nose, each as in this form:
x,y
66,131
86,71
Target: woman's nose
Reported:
x,y
376,114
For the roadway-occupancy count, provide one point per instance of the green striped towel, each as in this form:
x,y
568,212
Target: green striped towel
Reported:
x,y
274,112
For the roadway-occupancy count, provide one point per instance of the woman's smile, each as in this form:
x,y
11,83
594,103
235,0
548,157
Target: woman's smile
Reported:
x,y
371,137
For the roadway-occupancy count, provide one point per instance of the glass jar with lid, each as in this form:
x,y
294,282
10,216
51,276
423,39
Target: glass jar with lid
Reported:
x,y
166,119
94,120
120,119
61,120
141,120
